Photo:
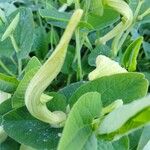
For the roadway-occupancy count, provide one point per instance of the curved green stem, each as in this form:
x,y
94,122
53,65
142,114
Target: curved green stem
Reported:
x,y
147,12
6,69
78,52
46,74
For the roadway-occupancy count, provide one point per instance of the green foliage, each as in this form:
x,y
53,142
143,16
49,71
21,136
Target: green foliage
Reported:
x,y
79,123
45,69
126,86
22,127
131,54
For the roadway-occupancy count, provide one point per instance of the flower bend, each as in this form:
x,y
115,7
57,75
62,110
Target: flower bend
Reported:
x,y
45,76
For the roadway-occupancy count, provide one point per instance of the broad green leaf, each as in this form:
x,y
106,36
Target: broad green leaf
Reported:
x,y
147,76
78,131
31,68
60,19
99,22
127,118
8,66
145,137
23,128
41,41
5,107
121,144
8,144
146,47
5,45
33,63
67,67
129,59
69,90
58,102
97,7
98,50
126,86
134,138
7,83
24,32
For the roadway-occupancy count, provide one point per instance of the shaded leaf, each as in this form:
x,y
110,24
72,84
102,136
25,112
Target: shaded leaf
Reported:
x,y
79,124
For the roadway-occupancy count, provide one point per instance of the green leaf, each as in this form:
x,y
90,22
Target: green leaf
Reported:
x,y
41,41
24,32
8,144
146,47
30,70
33,63
147,76
127,118
57,103
22,127
7,83
61,19
67,67
8,66
97,7
134,138
69,90
6,48
121,144
5,107
145,137
126,86
99,22
78,131
55,17
129,59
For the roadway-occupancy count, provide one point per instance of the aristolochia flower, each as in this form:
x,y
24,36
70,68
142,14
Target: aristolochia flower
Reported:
x,y
105,67
123,8
46,74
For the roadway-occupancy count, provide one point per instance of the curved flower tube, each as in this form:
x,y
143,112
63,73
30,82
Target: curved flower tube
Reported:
x,y
45,76
105,67
123,8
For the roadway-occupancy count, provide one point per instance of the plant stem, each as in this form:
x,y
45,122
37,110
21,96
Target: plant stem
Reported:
x,y
78,48
19,66
138,9
69,79
147,12
6,69
13,41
